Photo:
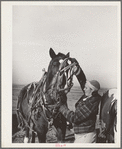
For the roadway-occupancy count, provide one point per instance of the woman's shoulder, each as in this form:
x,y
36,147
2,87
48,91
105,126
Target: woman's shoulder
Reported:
x,y
95,94
95,98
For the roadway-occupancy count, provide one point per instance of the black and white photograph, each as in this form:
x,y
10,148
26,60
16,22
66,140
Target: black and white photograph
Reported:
x,y
61,70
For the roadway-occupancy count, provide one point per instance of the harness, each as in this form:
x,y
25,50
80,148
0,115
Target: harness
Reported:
x,y
38,96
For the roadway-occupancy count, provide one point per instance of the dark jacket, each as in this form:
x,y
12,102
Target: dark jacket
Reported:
x,y
84,117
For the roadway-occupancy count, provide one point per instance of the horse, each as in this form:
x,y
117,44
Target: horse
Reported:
x,y
37,100
108,117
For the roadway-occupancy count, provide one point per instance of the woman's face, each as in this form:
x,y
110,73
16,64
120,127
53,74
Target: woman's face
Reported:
x,y
88,90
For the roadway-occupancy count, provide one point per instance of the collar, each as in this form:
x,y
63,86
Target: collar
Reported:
x,y
95,93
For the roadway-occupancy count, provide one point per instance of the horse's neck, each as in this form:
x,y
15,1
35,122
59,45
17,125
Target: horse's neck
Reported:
x,y
51,81
48,81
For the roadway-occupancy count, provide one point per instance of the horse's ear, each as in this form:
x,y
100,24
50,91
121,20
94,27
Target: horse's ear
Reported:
x,y
52,53
68,54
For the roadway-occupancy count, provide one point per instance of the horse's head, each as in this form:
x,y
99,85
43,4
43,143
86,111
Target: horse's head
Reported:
x,y
55,62
56,77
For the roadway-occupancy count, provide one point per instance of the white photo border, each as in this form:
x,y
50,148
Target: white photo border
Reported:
x,y
6,75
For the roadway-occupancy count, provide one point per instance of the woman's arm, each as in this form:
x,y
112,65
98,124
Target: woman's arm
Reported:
x,y
82,112
79,74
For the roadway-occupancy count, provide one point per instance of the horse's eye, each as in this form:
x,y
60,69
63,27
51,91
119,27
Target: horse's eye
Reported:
x,y
55,63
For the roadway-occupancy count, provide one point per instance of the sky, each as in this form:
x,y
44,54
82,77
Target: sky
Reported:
x,y
89,32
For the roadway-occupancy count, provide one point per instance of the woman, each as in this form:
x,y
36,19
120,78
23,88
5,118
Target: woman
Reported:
x,y
84,117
